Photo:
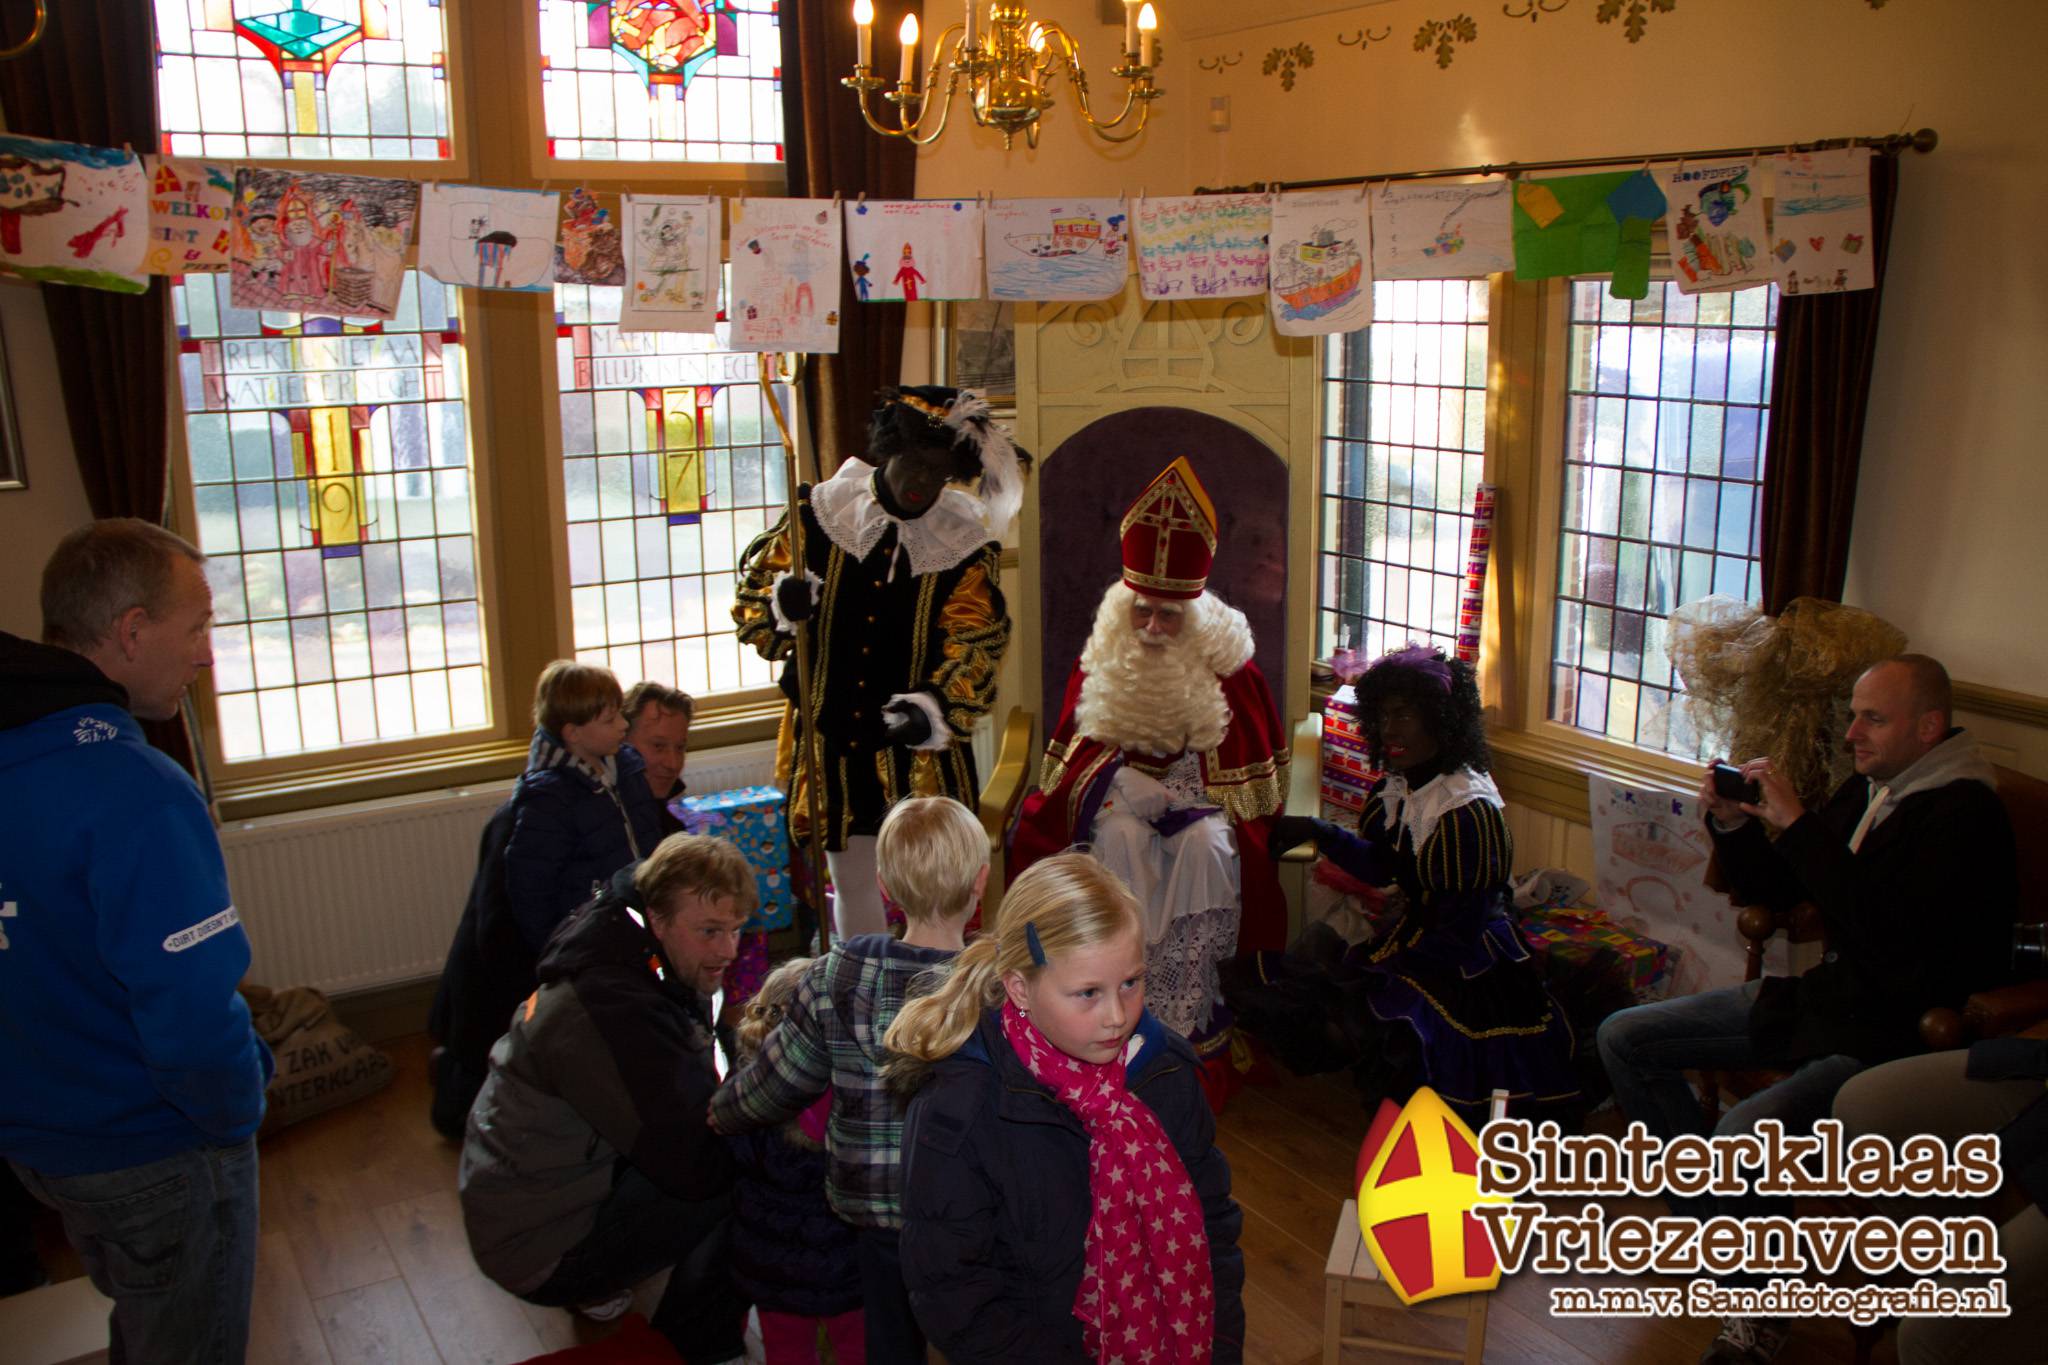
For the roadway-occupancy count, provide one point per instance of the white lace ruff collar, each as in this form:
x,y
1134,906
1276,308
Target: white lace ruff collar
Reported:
x,y
854,519
1422,808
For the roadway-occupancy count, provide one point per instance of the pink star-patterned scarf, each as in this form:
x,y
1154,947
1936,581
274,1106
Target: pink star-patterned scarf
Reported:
x,y
1146,1293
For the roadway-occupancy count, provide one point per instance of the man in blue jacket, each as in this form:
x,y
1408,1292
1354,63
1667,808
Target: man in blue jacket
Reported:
x,y
131,1083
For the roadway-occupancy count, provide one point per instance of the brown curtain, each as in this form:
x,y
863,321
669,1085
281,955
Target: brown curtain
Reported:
x,y
831,150
1820,385
91,79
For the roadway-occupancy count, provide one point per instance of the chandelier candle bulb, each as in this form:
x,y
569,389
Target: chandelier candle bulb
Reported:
x,y
973,25
864,32
1131,26
908,36
1148,23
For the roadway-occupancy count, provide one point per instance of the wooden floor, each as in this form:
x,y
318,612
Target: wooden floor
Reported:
x,y
363,1259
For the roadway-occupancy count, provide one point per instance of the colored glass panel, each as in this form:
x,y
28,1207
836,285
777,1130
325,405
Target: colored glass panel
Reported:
x,y
671,465
662,80
1667,402
313,79
333,487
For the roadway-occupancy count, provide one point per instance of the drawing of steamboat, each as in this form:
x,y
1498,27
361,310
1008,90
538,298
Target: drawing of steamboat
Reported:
x,y
1321,276
1069,237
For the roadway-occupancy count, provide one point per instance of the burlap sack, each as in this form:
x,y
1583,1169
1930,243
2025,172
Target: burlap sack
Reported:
x,y
321,1063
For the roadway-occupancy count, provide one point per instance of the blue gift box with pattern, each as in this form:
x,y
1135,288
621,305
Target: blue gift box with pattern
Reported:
x,y
752,818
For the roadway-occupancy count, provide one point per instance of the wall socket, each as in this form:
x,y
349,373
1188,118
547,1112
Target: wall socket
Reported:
x,y
1219,113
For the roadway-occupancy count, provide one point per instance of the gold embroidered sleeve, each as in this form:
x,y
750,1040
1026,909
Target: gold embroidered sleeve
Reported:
x,y
765,558
976,626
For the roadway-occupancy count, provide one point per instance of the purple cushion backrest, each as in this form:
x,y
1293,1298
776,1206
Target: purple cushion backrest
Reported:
x,y
1088,483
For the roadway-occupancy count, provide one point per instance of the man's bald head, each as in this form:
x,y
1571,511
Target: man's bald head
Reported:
x,y
1901,710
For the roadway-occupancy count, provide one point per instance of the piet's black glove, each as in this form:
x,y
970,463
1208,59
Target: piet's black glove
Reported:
x,y
1292,830
906,725
793,598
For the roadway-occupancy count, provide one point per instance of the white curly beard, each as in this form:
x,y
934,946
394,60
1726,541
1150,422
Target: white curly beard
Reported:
x,y
1160,699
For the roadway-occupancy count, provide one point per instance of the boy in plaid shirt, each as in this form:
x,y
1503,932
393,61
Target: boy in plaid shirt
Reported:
x,y
931,859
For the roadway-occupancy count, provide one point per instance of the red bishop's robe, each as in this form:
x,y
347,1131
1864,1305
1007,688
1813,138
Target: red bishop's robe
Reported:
x,y
1245,775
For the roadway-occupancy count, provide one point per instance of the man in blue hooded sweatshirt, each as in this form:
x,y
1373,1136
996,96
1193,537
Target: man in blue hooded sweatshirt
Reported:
x,y
131,1084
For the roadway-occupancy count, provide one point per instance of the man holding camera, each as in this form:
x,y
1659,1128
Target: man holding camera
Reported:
x,y
1912,868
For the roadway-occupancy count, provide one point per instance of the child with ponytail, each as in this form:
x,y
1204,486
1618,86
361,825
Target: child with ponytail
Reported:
x,y
1063,1198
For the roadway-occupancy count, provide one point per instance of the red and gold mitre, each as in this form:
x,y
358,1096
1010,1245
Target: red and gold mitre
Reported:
x,y
1169,536
1418,1182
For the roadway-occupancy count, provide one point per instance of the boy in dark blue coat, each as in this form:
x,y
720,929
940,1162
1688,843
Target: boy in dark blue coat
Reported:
x,y
580,812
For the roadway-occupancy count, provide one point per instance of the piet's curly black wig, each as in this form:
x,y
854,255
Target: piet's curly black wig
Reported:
x,y
1453,715
896,425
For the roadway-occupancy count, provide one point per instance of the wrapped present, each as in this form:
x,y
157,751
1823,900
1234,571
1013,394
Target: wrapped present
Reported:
x,y
754,819
1343,801
1578,943
1347,772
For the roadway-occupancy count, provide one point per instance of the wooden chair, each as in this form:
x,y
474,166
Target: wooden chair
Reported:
x,y
1352,1284
1010,777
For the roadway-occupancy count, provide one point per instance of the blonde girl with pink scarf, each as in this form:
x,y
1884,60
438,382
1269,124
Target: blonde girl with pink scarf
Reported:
x,y
1063,1196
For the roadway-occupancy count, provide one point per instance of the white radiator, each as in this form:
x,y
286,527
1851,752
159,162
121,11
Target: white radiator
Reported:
x,y
354,897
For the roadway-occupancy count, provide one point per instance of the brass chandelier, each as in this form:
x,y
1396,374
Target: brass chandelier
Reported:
x,y
1008,71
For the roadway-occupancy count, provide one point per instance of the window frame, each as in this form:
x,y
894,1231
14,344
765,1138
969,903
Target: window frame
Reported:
x,y
370,756
458,165
720,718
1541,763
521,526
742,179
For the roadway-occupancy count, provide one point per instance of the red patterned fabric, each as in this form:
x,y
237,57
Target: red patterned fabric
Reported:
x,y
1146,1291
1169,536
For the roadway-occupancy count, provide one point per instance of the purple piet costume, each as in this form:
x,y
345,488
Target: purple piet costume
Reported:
x,y
1448,996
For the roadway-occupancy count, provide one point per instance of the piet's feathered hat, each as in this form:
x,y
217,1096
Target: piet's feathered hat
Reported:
x,y
1169,536
958,421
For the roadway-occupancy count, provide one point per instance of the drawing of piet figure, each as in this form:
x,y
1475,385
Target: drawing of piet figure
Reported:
x,y
861,270
908,276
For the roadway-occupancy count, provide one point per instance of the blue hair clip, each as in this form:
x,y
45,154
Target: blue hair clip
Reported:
x,y
1031,942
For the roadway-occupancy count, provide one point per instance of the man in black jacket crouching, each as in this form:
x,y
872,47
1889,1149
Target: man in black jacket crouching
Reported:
x,y
588,1164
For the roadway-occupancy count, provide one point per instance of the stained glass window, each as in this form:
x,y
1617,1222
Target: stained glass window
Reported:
x,y
324,79
332,485
671,465
661,80
1404,447
1667,405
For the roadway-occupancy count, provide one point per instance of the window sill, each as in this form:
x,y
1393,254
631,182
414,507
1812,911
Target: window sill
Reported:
x,y
342,783
1548,769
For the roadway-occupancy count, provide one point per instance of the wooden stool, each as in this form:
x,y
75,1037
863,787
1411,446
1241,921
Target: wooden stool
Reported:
x,y
1351,1281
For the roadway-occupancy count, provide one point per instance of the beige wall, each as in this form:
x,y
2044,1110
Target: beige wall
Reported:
x,y
33,520
1947,541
